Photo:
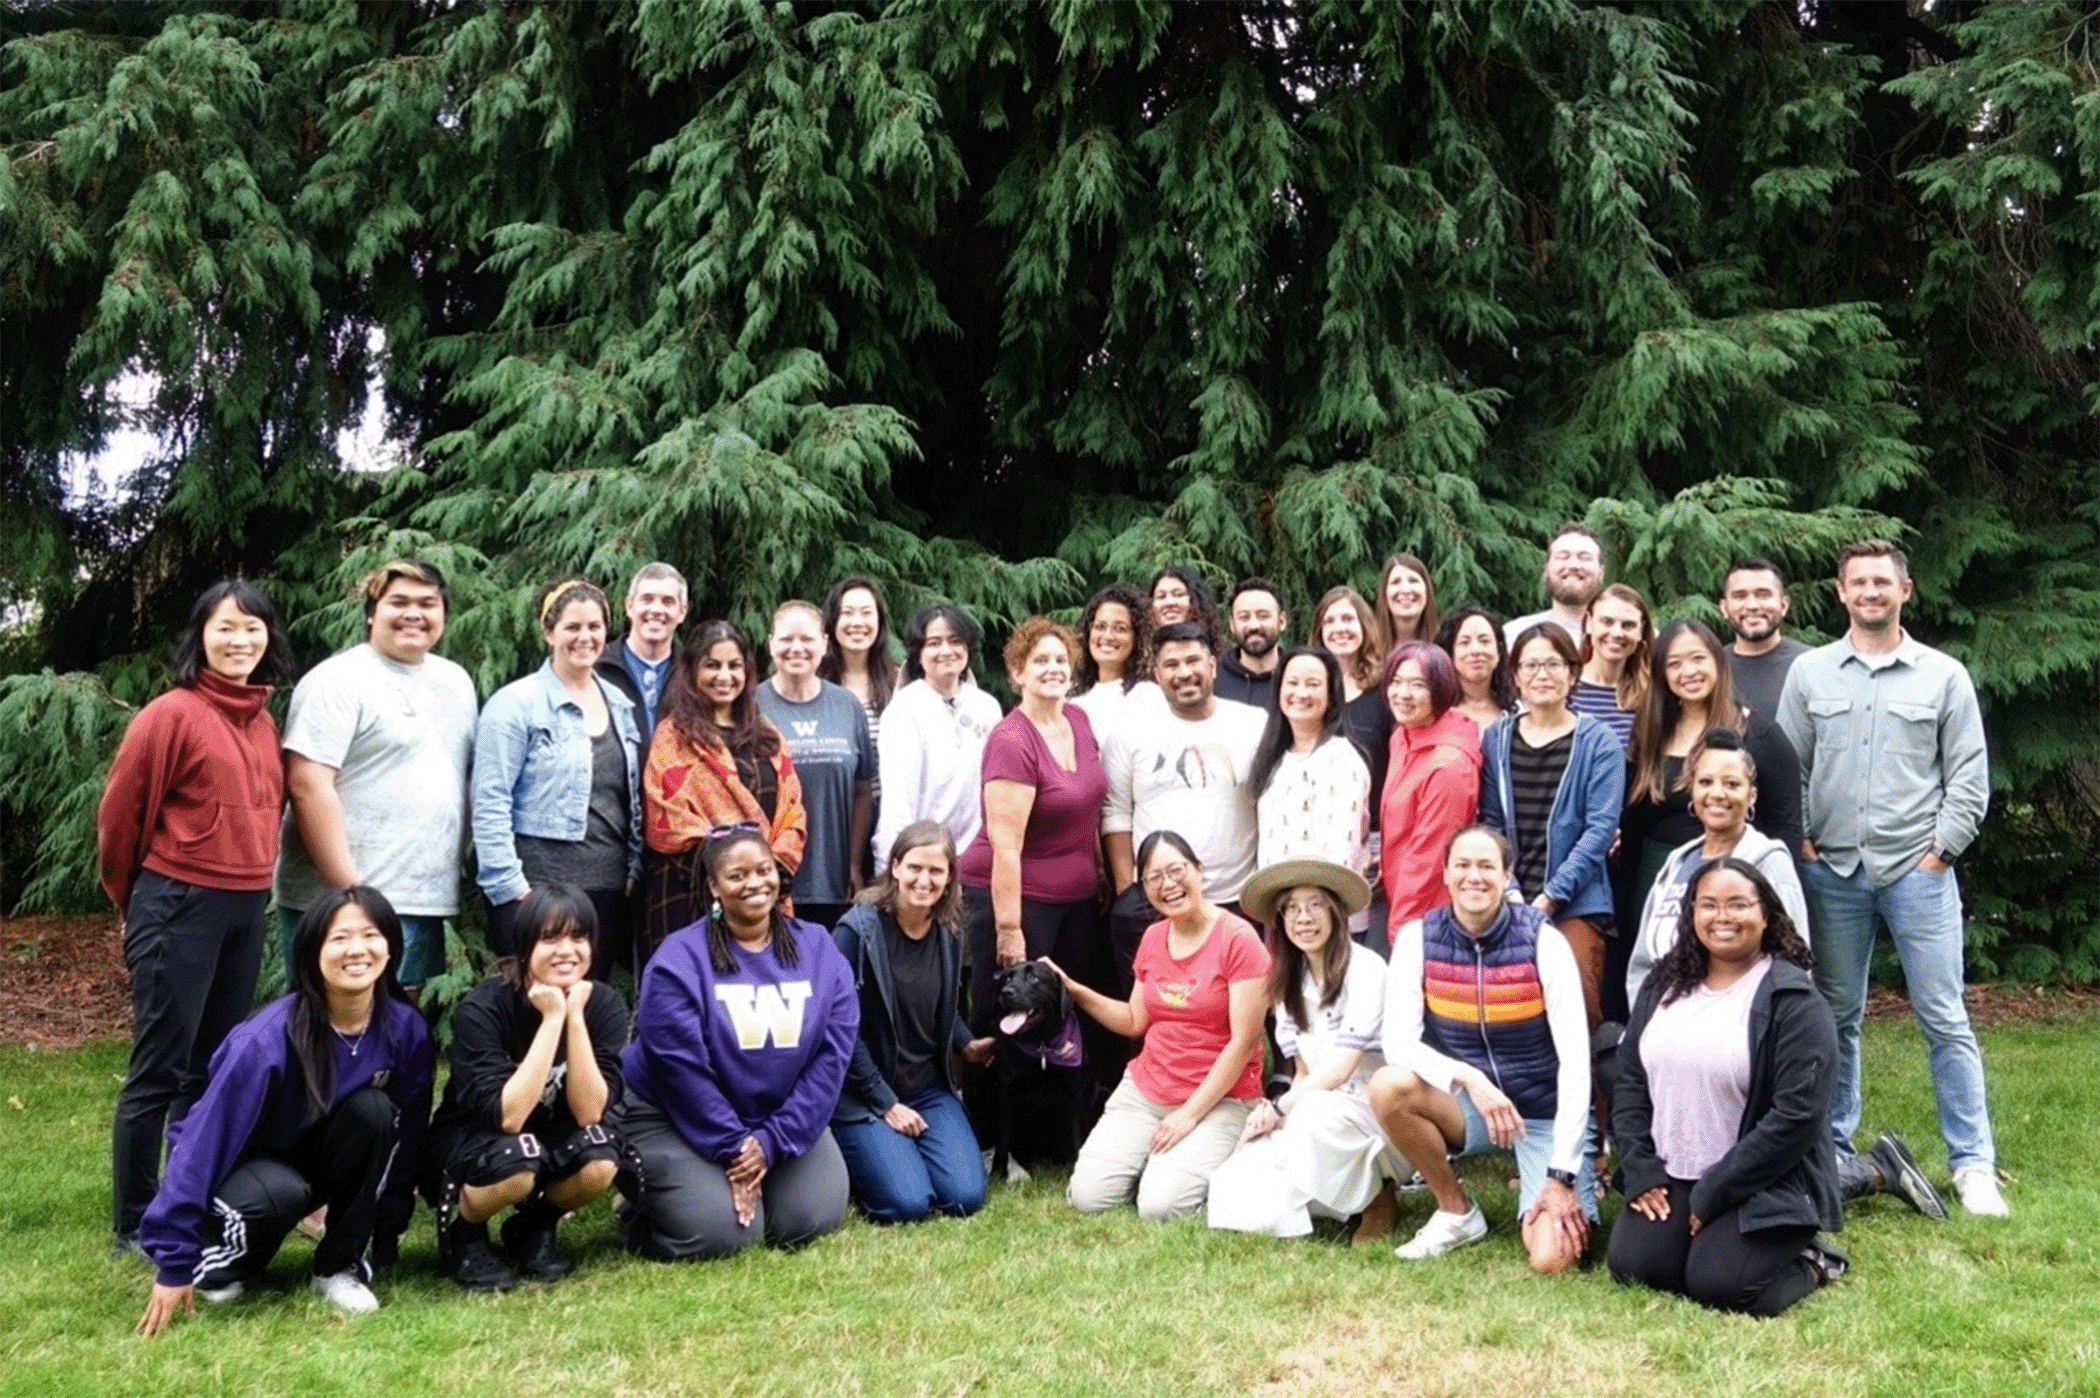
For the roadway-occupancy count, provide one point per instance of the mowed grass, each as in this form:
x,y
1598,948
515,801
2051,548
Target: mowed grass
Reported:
x,y
1032,1299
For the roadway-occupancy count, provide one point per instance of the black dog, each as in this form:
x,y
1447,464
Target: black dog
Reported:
x,y
1037,1067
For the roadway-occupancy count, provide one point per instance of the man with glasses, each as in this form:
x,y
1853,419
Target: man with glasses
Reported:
x,y
1574,576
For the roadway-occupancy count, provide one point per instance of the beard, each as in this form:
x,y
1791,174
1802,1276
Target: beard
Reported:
x,y
1573,594
1257,643
1757,628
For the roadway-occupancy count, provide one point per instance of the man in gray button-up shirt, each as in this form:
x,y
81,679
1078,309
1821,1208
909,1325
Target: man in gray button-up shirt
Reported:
x,y
1898,779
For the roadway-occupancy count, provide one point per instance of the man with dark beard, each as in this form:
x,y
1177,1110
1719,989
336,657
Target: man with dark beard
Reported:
x,y
1247,673
1574,576
1753,600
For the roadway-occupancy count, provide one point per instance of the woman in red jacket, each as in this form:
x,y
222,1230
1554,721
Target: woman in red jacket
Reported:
x,y
187,832
1432,780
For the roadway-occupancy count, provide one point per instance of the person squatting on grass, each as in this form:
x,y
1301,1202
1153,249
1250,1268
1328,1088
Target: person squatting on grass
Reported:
x,y
320,1098
535,1066
1722,1112
1198,1005
743,1031
187,836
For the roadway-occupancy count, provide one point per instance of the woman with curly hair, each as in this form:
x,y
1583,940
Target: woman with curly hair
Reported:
x,y
1114,666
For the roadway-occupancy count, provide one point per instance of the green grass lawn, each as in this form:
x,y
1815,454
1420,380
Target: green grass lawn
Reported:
x,y
1028,1298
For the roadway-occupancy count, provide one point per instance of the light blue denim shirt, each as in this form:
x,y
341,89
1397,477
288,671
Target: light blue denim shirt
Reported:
x,y
532,776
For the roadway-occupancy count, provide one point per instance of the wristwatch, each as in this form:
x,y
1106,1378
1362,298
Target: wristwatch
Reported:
x,y
1943,854
1566,1177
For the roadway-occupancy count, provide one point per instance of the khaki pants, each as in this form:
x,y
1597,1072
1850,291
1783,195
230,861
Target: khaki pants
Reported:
x,y
1115,1165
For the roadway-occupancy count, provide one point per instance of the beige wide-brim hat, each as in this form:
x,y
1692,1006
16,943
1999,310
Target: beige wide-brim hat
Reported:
x,y
1261,892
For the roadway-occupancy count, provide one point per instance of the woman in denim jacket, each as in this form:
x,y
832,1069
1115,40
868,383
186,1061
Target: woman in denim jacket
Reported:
x,y
555,779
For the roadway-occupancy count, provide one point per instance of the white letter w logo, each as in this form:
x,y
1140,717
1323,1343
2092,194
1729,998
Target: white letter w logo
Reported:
x,y
762,1012
804,727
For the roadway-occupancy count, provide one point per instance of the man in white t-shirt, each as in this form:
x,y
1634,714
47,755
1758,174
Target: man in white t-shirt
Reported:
x,y
376,751
1181,766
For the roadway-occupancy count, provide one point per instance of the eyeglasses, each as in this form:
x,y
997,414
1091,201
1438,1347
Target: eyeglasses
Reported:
x,y
1311,910
1541,667
1160,878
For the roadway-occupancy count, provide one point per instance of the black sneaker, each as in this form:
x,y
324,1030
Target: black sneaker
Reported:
x,y
1829,1261
529,1239
472,1261
1901,1176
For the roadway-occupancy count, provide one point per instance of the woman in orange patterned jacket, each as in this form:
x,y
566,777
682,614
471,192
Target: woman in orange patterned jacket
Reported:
x,y
715,763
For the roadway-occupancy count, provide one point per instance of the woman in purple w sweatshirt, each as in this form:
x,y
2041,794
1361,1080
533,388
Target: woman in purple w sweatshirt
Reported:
x,y
743,1030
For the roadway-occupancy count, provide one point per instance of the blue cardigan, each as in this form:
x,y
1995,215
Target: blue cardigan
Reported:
x,y
1585,812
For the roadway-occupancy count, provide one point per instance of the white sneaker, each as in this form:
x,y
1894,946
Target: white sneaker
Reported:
x,y
1444,1232
346,1293
1977,1187
218,1295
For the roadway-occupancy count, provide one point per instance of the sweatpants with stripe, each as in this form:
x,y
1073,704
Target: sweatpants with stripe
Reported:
x,y
341,1161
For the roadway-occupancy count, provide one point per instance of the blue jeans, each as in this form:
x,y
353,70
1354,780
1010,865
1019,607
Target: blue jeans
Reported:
x,y
902,1179
1534,1153
422,945
1922,911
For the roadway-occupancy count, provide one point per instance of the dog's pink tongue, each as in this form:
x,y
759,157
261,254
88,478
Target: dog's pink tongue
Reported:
x,y
1011,1024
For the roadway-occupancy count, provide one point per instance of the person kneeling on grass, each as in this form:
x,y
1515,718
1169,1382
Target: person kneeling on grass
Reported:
x,y
535,1066
743,1030
1487,1047
1318,1149
320,1098
1722,1112
1198,1004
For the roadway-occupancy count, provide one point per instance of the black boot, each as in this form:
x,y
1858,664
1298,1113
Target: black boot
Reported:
x,y
528,1236
469,1259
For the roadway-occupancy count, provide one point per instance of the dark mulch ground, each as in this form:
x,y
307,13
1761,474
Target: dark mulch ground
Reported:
x,y
62,982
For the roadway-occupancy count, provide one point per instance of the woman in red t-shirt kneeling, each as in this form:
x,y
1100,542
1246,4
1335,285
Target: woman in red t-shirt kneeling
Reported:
x,y
1198,1006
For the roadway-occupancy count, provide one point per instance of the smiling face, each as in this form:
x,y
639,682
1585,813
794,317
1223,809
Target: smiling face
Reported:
x,y
1185,672
655,611
943,656
1301,691
1753,603
1690,669
1306,918
719,676
797,643
1110,637
859,623
1173,881
1574,570
1722,792
1614,628
1257,622
922,875
1475,652
1170,601
1047,672
1342,630
576,637
1544,677
746,882
1408,696
407,620
1728,917
353,952
1874,591
1406,594
233,641
1475,874
560,960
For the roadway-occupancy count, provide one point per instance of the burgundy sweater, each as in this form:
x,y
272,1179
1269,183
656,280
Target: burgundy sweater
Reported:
x,y
196,792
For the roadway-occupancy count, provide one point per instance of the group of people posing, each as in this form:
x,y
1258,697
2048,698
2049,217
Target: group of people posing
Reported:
x,y
1468,884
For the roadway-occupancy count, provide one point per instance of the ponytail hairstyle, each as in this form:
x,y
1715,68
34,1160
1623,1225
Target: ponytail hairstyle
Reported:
x,y
312,1037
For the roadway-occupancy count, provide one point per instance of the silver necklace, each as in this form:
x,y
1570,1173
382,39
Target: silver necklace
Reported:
x,y
353,1044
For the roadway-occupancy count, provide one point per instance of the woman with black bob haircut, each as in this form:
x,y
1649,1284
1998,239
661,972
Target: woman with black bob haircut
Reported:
x,y
900,1121
187,837
743,1031
1722,1111
309,1103
535,1067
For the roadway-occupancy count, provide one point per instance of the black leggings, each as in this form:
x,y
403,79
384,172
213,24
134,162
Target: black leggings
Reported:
x,y
1760,1274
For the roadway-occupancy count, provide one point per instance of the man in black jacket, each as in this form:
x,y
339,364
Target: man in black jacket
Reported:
x,y
639,663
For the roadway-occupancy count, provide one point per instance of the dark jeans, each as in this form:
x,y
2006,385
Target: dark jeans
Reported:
x,y
194,954
1071,935
1759,1273
902,1179
341,1161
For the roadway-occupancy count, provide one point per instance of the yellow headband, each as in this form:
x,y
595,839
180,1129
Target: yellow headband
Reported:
x,y
554,595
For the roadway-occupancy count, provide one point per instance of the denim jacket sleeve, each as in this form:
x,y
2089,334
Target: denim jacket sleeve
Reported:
x,y
499,754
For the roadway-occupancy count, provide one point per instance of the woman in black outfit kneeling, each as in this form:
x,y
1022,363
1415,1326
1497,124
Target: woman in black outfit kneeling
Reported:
x,y
1722,1113
535,1066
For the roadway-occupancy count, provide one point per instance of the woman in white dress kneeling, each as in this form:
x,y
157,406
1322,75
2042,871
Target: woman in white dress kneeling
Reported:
x,y
1317,1149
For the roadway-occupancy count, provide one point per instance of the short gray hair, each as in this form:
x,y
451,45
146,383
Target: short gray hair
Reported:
x,y
658,572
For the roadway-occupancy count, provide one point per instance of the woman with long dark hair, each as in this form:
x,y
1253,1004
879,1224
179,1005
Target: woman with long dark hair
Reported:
x,y
535,1067
716,761
743,1031
858,660
187,838
1114,668
309,1102
900,1123
1312,787
1722,1109
1472,637
1179,593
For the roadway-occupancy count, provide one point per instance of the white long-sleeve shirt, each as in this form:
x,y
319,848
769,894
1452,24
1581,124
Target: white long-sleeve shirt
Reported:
x,y
930,761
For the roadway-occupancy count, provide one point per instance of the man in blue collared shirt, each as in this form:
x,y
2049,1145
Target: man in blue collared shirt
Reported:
x,y
639,663
1892,751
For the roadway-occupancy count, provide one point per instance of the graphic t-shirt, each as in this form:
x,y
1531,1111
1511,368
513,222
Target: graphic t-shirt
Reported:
x,y
827,738
1189,1003
1170,773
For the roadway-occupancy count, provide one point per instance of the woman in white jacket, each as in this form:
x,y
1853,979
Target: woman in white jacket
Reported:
x,y
1721,778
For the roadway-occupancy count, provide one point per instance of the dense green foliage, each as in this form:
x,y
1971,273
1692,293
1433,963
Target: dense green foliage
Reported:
x,y
1000,301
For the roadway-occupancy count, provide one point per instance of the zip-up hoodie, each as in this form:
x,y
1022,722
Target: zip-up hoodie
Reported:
x,y
1585,813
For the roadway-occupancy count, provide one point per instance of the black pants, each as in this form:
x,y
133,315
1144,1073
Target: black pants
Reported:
x,y
615,945
341,1161
194,954
1070,934
1759,1273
